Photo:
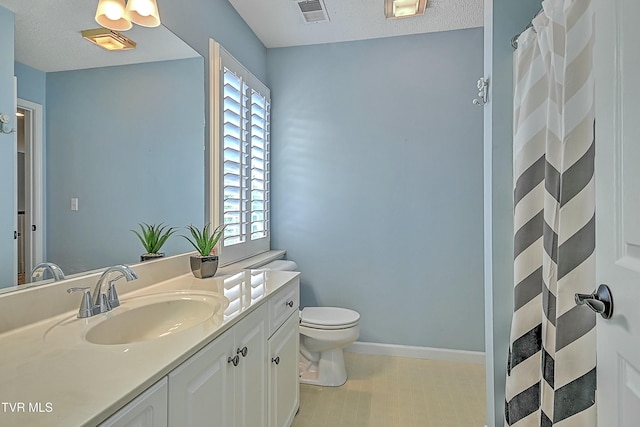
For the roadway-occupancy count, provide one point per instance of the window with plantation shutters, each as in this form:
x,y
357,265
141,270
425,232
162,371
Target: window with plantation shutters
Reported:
x,y
243,144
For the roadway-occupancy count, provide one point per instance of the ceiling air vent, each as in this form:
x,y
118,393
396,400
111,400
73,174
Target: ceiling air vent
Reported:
x,y
313,11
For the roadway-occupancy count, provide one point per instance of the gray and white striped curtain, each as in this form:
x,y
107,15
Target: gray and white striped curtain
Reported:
x,y
552,356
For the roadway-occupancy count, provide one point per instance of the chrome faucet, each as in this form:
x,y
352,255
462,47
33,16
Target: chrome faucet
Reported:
x,y
54,269
103,302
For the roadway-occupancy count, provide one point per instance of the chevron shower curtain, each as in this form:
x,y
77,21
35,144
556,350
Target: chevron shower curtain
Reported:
x,y
552,356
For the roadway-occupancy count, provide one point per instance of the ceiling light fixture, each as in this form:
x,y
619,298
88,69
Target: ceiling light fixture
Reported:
x,y
108,39
113,14
404,8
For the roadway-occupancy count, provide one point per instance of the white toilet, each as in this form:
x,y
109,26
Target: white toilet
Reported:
x,y
324,332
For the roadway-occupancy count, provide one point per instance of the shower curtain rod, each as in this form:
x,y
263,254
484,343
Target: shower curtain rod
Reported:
x,y
514,39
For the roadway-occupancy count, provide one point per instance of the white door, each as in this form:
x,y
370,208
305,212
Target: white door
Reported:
x,y
32,134
617,69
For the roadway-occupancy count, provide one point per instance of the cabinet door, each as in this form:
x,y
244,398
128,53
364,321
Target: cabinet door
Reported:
x,y
251,372
147,410
201,389
284,385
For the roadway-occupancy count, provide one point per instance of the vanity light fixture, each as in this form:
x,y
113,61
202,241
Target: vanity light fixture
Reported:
x,y
108,39
113,14
404,8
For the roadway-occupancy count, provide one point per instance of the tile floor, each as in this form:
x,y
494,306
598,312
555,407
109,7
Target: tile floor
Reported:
x,y
385,391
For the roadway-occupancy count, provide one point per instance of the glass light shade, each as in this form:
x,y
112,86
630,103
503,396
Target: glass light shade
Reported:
x,y
143,12
404,8
111,14
109,43
108,39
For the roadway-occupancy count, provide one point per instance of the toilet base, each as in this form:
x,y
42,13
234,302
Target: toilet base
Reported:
x,y
329,371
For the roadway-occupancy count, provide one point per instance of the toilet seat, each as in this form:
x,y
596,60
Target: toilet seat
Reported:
x,y
328,318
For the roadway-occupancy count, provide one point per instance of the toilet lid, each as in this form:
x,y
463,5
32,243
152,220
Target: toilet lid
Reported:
x,y
328,316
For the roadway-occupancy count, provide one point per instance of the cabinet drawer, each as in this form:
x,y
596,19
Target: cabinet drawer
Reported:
x,y
285,302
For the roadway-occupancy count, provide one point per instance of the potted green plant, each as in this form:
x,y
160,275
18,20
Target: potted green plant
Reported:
x,y
152,238
205,264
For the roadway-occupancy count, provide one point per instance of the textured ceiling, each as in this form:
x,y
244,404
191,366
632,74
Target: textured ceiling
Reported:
x,y
48,37
279,23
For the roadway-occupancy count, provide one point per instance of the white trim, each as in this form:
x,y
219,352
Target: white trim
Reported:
x,y
14,201
214,134
417,352
36,173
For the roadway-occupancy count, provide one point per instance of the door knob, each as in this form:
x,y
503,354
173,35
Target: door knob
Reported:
x,y
600,301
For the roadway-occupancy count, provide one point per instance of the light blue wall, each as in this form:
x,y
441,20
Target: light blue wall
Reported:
x,y
377,182
31,83
196,21
8,211
503,19
128,143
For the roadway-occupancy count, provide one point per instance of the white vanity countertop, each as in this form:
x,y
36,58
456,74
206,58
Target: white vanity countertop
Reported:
x,y
49,380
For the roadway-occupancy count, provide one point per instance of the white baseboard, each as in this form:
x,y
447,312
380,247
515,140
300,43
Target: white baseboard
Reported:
x,y
417,352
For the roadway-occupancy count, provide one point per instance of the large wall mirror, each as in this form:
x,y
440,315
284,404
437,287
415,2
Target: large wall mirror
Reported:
x,y
122,139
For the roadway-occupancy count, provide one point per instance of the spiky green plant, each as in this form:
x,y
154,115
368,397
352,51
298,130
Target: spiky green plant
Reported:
x,y
203,240
154,236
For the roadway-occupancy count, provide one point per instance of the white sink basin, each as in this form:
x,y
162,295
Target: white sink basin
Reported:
x,y
146,318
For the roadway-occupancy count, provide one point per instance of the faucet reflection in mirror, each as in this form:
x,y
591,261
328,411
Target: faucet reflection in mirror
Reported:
x,y
39,270
114,15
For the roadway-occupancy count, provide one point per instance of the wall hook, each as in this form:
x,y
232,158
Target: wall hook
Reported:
x,y
4,119
483,92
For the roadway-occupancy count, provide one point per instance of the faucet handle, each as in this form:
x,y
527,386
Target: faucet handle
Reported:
x,y
86,305
113,293
102,305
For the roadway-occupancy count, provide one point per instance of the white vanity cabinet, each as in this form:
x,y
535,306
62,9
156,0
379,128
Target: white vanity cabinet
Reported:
x,y
246,377
147,410
284,342
224,384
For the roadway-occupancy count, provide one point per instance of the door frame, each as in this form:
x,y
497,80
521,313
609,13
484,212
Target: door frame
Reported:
x,y
34,183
